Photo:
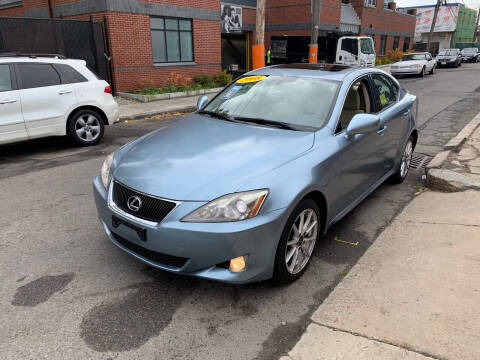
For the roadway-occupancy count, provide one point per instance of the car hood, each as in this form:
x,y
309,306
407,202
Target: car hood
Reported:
x,y
410,62
200,158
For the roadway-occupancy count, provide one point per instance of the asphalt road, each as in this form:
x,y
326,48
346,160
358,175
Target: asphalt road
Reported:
x,y
68,293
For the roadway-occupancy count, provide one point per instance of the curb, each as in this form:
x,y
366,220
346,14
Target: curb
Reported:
x,y
455,143
167,96
448,180
183,109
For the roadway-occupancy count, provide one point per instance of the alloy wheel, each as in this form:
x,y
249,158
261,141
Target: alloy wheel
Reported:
x,y
87,127
301,241
406,159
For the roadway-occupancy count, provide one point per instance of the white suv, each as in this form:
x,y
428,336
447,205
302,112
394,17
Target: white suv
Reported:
x,y
42,96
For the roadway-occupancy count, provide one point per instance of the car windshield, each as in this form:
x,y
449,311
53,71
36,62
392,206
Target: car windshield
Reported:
x,y
447,53
413,57
300,102
470,51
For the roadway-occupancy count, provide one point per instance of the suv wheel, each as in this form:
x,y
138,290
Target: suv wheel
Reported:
x,y
85,127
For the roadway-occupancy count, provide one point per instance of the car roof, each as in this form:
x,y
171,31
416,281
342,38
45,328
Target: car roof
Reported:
x,y
38,59
323,71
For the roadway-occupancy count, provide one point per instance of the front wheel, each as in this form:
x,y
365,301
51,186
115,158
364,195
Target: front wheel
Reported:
x,y
405,161
433,70
85,127
422,73
298,240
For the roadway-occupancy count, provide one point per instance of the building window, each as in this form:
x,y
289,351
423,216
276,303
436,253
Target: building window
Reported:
x,y
383,44
172,40
406,44
396,39
371,3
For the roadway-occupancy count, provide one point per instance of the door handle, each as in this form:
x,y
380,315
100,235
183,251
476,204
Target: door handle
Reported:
x,y
382,130
65,92
8,101
406,113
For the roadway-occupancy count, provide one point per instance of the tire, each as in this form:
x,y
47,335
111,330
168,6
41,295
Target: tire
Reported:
x,y
432,71
286,270
88,120
422,73
404,164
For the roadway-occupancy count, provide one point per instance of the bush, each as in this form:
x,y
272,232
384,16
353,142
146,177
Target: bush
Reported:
x,y
395,55
223,78
382,61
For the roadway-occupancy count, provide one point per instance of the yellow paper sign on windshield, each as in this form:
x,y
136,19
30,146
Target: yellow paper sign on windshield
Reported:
x,y
383,99
250,79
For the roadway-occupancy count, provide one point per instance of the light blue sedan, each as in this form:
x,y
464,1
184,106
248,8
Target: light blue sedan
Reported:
x,y
242,189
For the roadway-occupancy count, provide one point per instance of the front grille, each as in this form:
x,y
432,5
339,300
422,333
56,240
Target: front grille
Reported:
x,y
163,259
151,209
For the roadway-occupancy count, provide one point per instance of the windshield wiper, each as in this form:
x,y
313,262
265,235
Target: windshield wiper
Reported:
x,y
279,124
217,115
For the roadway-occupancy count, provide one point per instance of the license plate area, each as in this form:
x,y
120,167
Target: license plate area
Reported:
x,y
142,233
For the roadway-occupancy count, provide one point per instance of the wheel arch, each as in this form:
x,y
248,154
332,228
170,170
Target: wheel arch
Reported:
x,y
414,135
89,107
321,201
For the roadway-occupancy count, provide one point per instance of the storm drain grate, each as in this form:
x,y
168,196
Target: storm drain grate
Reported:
x,y
419,161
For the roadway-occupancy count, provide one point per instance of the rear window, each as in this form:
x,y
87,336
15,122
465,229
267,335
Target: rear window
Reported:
x,y
5,79
38,75
70,74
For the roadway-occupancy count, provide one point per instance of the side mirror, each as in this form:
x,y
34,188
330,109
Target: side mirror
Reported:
x,y
202,102
362,124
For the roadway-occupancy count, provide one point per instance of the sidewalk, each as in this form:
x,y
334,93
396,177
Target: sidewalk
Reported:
x,y
413,295
415,292
131,110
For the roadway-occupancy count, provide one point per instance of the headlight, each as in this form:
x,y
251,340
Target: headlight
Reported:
x,y
105,173
232,207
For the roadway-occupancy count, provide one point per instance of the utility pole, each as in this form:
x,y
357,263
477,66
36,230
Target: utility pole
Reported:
x,y
476,27
434,21
313,47
258,50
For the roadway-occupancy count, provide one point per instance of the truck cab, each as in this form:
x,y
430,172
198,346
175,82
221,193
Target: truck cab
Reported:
x,y
355,50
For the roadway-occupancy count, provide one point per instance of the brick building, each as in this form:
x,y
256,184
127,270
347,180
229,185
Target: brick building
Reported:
x,y
150,39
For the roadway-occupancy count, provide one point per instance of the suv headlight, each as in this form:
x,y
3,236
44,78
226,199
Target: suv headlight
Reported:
x,y
105,173
231,207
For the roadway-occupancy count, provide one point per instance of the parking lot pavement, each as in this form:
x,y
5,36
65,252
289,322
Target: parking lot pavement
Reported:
x,y
67,292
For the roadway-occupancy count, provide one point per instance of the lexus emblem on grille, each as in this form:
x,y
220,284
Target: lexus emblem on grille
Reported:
x,y
134,203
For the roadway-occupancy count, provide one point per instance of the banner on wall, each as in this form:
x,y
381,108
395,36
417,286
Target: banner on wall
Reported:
x,y
231,19
446,19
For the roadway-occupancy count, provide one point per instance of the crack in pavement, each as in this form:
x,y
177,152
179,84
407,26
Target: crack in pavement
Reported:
x,y
401,346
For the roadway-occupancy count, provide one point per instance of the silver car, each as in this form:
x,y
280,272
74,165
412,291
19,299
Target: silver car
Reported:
x,y
243,189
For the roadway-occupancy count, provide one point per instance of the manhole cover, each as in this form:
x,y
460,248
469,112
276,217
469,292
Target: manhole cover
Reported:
x,y
419,161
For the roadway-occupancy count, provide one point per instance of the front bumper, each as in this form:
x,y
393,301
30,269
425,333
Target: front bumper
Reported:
x,y
406,71
206,247
446,62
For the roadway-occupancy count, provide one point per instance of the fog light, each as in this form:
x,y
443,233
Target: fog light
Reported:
x,y
238,264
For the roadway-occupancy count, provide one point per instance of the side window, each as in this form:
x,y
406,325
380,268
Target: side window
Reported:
x,y
5,78
357,101
350,45
38,75
70,74
386,91
366,46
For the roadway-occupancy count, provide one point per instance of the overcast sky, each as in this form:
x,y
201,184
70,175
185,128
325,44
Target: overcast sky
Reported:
x,y
474,4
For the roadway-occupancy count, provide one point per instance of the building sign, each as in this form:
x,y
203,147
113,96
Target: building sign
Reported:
x,y
446,19
231,19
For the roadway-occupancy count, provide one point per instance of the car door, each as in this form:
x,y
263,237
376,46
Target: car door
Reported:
x,y
12,126
46,99
361,161
394,113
